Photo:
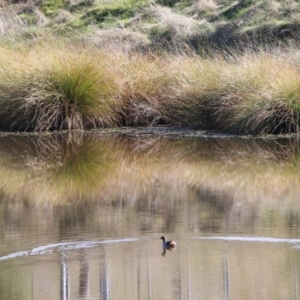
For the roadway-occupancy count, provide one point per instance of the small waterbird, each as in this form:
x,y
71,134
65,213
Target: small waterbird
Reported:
x,y
170,245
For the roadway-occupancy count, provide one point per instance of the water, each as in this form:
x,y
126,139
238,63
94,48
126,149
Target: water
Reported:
x,y
82,215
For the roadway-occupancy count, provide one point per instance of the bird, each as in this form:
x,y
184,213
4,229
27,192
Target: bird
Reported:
x,y
170,245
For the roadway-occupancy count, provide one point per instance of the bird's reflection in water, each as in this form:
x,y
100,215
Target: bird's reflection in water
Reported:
x,y
170,245
164,251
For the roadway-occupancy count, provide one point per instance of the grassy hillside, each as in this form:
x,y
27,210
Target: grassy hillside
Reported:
x,y
140,23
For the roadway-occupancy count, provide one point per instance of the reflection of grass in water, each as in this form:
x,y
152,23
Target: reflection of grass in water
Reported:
x,y
58,169
252,175
77,169
83,169
247,192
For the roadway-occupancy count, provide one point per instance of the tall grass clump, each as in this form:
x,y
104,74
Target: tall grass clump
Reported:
x,y
144,87
80,88
259,93
55,90
251,93
195,83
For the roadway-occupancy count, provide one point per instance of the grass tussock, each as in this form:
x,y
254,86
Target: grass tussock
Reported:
x,y
56,90
77,88
143,84
258,93
253,93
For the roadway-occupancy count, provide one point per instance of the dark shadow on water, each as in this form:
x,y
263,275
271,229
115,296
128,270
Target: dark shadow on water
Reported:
x,y
83,275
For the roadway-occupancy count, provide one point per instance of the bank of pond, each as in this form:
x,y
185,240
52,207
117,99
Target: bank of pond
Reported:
x,y
47,87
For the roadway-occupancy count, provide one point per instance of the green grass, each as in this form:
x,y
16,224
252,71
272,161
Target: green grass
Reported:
x,y
168,24
50,7
105,14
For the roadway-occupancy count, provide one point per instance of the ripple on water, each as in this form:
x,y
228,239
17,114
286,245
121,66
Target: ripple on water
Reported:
x,y
63,246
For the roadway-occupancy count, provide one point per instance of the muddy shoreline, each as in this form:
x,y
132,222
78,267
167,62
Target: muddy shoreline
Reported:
x,y
163,131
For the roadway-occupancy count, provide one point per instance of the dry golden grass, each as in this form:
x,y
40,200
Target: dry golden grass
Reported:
x,y
48,89
260,96
83,87
79,169
143,85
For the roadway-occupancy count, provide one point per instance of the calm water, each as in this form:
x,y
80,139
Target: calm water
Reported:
x,y
82,214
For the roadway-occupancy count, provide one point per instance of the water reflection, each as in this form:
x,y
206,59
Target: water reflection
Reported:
x,y
76,167
105,277
222,267
83,275
82,213
64,281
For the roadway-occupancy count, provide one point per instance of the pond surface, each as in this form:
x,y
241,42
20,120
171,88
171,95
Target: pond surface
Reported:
x,y
82,214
